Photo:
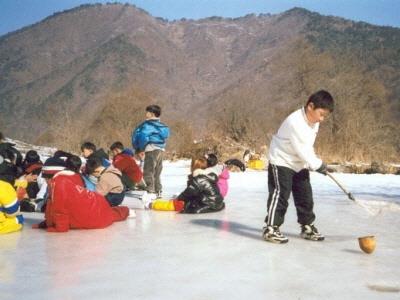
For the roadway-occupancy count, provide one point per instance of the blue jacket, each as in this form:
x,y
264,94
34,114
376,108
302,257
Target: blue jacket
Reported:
x,y
150,132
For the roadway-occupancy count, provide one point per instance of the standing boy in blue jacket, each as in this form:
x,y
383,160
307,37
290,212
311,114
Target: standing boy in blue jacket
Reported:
x,y
150,137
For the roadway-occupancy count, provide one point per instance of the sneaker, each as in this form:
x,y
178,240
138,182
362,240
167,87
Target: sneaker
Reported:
x,y
159,195
310,232
272,234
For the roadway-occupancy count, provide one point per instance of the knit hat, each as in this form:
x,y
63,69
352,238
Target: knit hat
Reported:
x,y
52,166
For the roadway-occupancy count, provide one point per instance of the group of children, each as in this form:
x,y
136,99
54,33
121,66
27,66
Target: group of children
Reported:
x,y
89,196
87,192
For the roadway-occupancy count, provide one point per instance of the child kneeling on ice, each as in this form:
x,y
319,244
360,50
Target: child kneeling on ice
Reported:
x,y
10,218
201,195
71,206
109,181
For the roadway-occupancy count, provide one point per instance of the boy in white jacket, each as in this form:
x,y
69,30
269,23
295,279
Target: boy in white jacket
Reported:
x,y
291,155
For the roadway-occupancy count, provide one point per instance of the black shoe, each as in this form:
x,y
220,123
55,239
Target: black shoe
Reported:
x,y
310,232
26,205
273,235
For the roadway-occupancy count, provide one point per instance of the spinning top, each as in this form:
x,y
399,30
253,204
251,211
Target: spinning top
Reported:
x,y
367,243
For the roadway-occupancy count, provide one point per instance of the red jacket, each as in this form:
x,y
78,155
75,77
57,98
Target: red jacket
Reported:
x,y
72,206
127,165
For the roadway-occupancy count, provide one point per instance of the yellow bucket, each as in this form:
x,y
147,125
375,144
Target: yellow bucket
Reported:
x,y
256,164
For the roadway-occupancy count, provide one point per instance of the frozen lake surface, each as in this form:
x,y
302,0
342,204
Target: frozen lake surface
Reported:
x,y
164,255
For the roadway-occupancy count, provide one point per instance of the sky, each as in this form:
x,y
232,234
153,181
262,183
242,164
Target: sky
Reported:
x,y
15,14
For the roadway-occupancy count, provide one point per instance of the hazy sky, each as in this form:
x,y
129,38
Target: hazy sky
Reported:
x,y
15,14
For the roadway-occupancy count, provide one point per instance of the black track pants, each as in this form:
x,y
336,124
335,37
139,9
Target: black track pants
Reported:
x,y
281,182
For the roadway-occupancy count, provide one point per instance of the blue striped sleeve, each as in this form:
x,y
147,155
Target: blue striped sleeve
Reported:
x,y
11,208
20,219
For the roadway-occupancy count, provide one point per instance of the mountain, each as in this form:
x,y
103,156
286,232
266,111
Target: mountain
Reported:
x,y
88,73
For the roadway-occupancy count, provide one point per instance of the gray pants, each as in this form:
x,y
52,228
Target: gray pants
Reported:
x,y
152,170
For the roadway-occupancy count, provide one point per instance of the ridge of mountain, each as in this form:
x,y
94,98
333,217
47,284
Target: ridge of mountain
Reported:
x,y
220,76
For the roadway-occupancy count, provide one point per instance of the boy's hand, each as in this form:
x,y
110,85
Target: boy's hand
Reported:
x,y
323,169
141,155
31,177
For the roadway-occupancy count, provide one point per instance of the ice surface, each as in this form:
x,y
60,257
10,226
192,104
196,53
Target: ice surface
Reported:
x,y
164,255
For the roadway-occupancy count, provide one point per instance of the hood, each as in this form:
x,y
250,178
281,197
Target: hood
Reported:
x,y
64,172
127,151
113,170
156,123
206,173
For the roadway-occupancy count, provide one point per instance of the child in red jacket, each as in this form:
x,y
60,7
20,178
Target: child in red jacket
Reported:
x,y
71,206
123,160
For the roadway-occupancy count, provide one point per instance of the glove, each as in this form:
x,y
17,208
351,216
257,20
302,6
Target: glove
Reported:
x,y
236,163
323,169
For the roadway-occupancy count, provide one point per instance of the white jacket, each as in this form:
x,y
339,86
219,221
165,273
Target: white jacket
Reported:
x,y
293,145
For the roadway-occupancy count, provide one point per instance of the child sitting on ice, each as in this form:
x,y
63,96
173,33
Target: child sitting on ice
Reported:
x,y
9,173
124,161
109,181
201,195
31,165
89,150
71,206
212,166
222,170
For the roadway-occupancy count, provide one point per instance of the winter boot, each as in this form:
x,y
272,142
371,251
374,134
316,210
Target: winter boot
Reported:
x,y
310,232
27,206
273,235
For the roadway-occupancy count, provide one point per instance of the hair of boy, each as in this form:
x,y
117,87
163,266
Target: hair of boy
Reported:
x,y
7,154
62,154
73,163
117,145
322,99
198,163
212,159
92,164
88,145
155,109
32,157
